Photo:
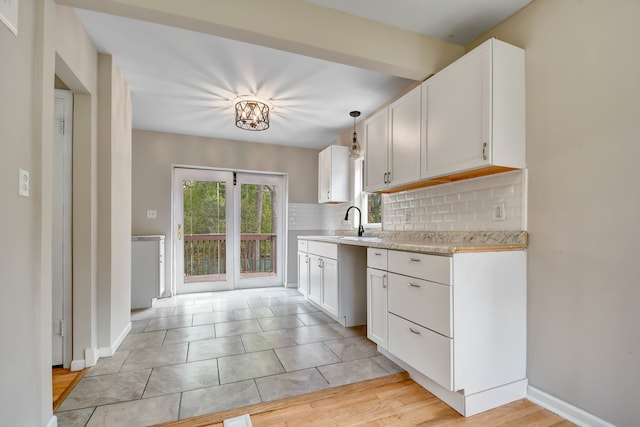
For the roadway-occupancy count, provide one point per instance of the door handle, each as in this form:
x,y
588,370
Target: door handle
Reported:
x,y
384,281
179,231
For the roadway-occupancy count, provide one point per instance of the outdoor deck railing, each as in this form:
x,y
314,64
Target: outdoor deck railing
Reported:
x,y
205,255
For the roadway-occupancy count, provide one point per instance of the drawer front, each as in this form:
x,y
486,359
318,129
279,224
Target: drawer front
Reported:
x,y
377,258
427,352
302,245
324,249
428,267
426,303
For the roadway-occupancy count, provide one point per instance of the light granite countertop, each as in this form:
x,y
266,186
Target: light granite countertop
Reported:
x,y
435,242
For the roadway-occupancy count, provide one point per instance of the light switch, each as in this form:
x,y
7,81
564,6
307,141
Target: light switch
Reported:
x,y
23,183
152,214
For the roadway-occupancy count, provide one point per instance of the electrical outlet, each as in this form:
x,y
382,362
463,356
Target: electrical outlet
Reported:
x,y
498,212
152,214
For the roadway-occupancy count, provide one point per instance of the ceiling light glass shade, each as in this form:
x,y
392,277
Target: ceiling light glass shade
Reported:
x,y
252,115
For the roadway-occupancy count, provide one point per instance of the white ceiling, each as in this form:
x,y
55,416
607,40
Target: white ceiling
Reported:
x,y
185,82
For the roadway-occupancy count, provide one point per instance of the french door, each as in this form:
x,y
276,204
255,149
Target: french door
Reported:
x,y
228,230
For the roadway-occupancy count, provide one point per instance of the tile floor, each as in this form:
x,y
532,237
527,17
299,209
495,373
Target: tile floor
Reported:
x,y
202,353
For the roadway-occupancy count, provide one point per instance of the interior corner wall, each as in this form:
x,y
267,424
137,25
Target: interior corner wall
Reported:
x,y
155,153
583,104
76,65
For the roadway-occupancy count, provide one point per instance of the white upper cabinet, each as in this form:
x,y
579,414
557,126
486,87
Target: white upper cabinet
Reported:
x,y
475,113
393,138
376,145
333,175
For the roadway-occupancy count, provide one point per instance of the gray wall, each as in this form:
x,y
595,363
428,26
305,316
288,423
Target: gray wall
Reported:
x,y
583,110
155,153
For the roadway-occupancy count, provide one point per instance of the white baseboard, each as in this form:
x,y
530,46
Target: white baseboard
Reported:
x,y
564,409
53,421
77,365
109,351
91,356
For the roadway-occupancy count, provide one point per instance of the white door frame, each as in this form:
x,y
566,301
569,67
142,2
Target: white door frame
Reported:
x,y
62,261
182,172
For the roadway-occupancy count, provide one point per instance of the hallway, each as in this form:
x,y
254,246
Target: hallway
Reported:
x,y
202,353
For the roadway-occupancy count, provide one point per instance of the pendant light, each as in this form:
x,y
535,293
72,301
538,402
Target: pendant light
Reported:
x,y
354,151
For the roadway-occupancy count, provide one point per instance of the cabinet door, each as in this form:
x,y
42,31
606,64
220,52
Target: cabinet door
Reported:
x,y
405,139
303,273
458,116
315,279
377,306
333,174
376,143
324,175
330,298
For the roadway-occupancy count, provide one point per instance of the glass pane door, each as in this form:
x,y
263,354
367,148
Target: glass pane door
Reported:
x,y
228,230
204,241
260,243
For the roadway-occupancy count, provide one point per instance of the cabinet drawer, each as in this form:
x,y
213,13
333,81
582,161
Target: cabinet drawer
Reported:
x,y
377,258
328,250
428,267
428,352
302,245
426,303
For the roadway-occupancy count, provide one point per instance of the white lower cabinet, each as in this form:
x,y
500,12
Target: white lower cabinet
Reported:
x,y
337,281
456,323
377,296
428,352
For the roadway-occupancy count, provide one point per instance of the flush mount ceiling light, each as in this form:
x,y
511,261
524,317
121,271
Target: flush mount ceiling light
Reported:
x,y
252,113
354,151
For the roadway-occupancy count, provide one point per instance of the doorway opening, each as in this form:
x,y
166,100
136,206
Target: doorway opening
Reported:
x,y
228,229
61,300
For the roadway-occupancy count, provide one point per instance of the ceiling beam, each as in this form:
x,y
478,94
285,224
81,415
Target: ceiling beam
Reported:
x,y
295,26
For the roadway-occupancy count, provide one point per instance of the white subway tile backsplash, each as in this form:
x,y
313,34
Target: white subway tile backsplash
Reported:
x,y
459,206
456,206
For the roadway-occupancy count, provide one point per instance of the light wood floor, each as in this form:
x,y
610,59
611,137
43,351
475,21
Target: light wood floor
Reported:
x,y
395,400
63,382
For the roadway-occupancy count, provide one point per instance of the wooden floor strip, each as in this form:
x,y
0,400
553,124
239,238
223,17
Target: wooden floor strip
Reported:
x,y
395,400
63,381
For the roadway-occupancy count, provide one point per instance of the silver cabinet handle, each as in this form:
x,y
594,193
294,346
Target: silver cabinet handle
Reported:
x,y
414,285
388,177
384,281
413,331
306,259
484,151
328,194
414,260
377,254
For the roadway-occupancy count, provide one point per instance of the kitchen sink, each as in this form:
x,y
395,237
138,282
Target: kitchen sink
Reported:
x,y
361,238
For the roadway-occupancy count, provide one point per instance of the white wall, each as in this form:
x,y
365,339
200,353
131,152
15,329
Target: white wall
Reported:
x,y
26,113
583,110
114,204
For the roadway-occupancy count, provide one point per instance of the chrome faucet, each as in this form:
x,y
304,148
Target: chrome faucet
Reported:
x,y
360,227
